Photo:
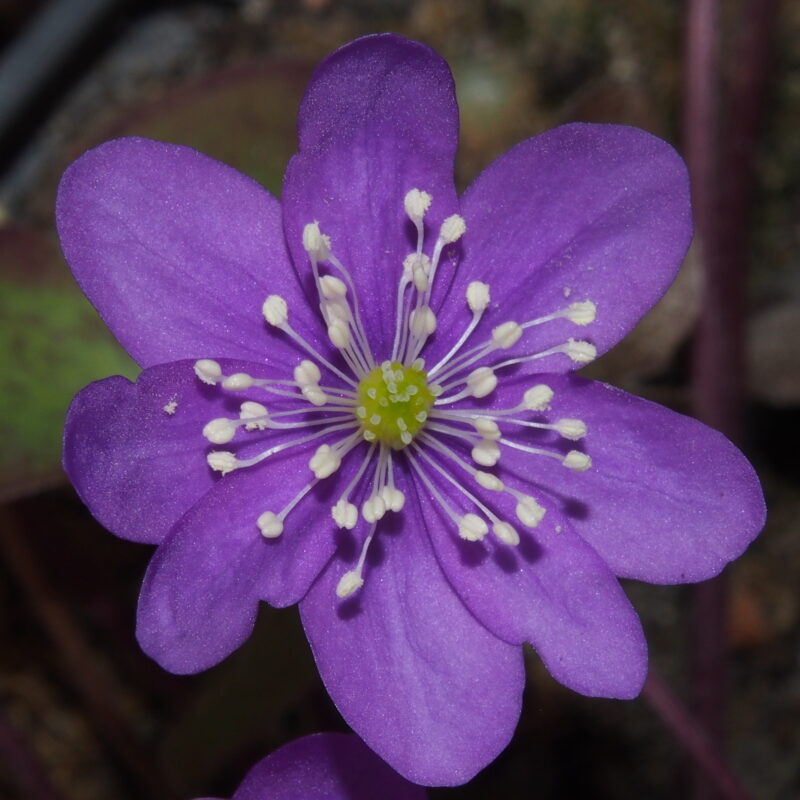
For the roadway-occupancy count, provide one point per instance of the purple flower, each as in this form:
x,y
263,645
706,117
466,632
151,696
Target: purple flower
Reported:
x,y
325,766
400,447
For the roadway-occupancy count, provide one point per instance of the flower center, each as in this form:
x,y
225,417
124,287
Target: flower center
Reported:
x,y
393,403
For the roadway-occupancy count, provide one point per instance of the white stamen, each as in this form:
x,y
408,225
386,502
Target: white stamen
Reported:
x,y
582,313
506,533
222,461
472,528
256,412
506,335
416,203
270,525
478,296
349,584
345,514
315,395
275,310
208,371
573,429
373,509
577,461
489,481
307,373
238,381
537,398
332,287
219,431
315,243
453,228
580,352
487,428
393,498
486,453
325,461
528,511
422,321
481,381
339,334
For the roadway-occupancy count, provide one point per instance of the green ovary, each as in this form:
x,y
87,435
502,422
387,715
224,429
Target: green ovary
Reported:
x,y
393,404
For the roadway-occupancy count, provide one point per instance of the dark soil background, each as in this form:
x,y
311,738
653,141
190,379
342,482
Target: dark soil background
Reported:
x,y
84,715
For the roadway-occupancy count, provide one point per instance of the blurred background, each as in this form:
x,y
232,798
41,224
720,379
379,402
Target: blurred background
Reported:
x,y
84,715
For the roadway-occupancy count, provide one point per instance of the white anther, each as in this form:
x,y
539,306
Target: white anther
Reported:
x,y
416,203
487,428
489,481
529,512
349,584
324,462
472,528
252,410
537,398
478,296
394,499
486,453
420,279
582,313
573,429
270,525
337,309
208,371
452,229
307,373
238,381
332,287
339,334
275,310
373,509
506,533
422,321
577,461
345,514
506,335
315,242
314,395
219,431
580,352
222,461
481,381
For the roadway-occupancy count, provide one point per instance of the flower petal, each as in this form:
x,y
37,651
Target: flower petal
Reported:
x,y
667,500
137,461
581,212
379,118
176,251
552,591
201,590
410,669
325,766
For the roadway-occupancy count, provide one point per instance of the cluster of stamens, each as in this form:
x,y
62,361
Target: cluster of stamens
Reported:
x,y
397,408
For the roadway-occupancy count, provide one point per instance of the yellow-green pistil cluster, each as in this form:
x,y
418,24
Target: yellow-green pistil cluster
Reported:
x,y
393,403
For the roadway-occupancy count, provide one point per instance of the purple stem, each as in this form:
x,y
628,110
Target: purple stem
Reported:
x,y
697,742
722,175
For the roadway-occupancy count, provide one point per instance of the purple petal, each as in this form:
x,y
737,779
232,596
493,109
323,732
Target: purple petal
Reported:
x,y
201,591
410,669
667,500
552,591
581,212
136,466
176,251
325,766
379,118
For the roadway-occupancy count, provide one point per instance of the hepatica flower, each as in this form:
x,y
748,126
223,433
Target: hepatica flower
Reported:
x,y
325,766
361,400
